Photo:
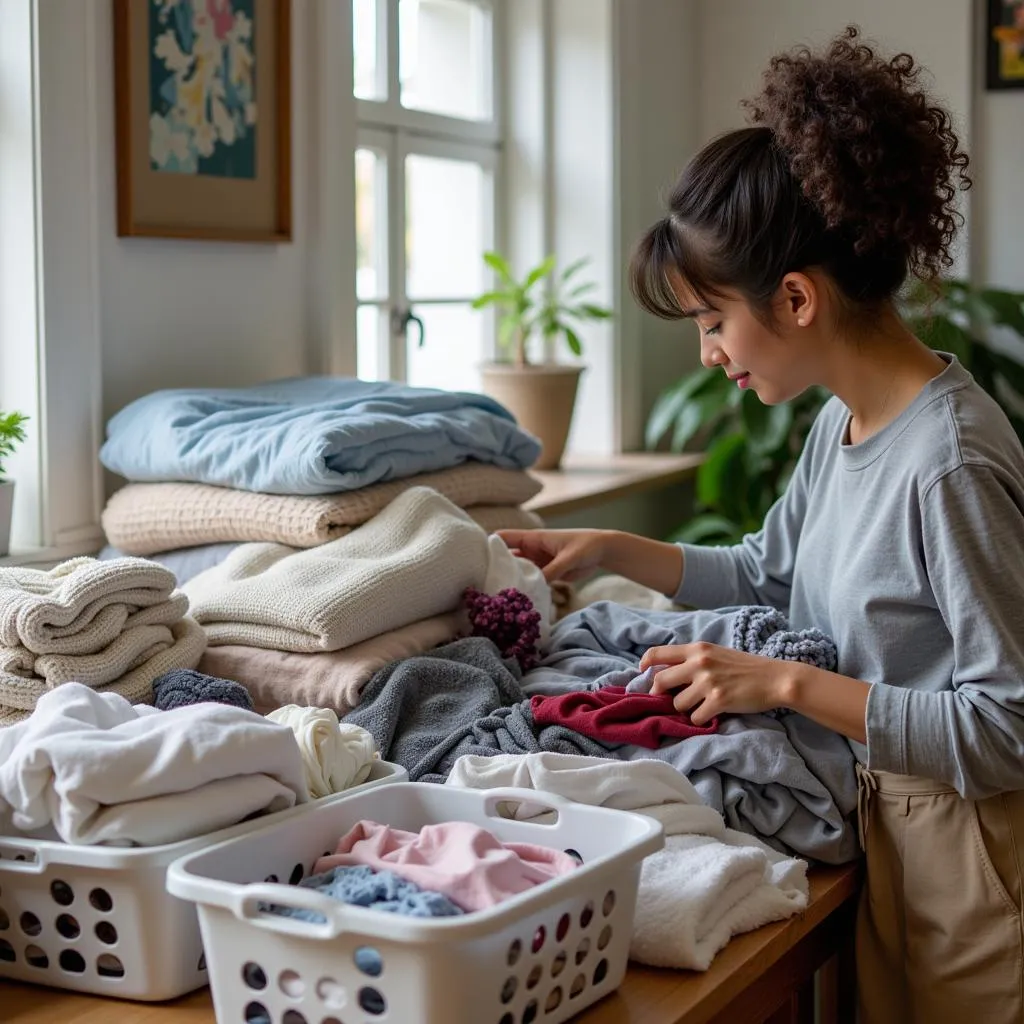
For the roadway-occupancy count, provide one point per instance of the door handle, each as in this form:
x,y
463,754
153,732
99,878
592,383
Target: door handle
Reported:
x,y
400,320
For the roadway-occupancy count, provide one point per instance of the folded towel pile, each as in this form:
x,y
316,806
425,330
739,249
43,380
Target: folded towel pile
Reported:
x,y
114,625
296,484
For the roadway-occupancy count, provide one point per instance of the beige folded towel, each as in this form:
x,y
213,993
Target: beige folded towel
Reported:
x,y
413,560
59,611
18,695
142,519
333,679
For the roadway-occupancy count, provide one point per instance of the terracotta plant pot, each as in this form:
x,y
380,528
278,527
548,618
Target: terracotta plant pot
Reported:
x,y
6,506
540,397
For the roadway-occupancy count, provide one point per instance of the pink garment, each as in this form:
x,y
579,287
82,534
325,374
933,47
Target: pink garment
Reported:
x,y
464,862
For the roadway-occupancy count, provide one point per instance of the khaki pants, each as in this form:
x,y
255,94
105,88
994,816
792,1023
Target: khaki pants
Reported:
x,y
939,930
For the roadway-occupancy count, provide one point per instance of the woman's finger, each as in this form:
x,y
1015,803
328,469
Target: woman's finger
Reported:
x,y
672,654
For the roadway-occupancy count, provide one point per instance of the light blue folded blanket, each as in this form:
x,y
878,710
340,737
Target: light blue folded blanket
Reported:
x,y
312,435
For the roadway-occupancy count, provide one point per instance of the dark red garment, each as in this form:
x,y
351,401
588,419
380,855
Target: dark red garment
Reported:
x,y
614,716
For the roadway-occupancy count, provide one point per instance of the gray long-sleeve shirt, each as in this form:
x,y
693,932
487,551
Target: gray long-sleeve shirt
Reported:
x,y
908,549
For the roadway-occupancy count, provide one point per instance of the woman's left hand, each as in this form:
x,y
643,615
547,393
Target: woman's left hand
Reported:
x,y
713,679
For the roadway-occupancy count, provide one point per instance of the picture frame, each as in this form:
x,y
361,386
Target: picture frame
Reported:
x,y
1004,44
202,92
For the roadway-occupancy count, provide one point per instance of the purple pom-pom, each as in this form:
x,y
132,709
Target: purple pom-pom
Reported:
x,y
509,620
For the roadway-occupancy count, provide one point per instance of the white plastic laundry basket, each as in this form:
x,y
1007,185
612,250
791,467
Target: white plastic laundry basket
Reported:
x,y
541,956
99,918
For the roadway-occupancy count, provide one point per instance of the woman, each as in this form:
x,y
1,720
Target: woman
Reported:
x,y
901,533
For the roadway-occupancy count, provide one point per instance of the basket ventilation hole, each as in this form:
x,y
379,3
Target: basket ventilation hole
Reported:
x,y
369,961
587,915
30,924
291,984
72,961
600,972
538,939
581,951
530,1012
253,976
108,966
372,1001
563,927
100,899
534,976
7,955
271,878
106,932
558,964
256,1013
68,926
609,902
293,1017
507,1018
554,1000
330,993
579,983
296,876
201,966
5,921
330,1020
575,854
508,990
605,937
515,951
62,893
36,957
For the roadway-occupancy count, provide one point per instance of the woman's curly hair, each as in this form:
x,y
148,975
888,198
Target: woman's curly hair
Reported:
x,y
848,166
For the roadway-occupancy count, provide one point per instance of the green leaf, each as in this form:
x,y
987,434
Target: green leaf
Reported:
x,y
708,528
767,426
1007,308
1009,368
588,310
581,289
573,341
499,264
539,271
671,401
944,335
701,410
492,298
722,478
575,267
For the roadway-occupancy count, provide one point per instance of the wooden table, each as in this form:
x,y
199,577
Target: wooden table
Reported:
x,y
585,481
764,976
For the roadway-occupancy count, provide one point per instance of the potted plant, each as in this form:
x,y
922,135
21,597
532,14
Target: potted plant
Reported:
x,y
12,433
544,305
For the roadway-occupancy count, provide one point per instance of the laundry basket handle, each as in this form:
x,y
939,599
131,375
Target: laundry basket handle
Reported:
x,y
250,902
538,798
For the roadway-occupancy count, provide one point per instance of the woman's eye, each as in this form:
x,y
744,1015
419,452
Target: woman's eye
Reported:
x,y
711,331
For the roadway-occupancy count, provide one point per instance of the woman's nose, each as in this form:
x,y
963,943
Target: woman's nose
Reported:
x,y
710,354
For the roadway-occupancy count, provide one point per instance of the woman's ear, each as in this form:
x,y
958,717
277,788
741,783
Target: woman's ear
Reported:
x,y
800,300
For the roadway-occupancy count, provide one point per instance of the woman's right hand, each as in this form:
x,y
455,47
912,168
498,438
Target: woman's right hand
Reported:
x,y
569,555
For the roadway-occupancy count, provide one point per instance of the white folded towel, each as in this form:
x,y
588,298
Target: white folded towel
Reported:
x,y
100,770
707,884
336,755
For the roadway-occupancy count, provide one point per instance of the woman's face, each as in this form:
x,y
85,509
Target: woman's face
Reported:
x,y
777,365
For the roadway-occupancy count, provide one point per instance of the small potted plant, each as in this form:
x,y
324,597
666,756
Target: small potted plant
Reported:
x,y
544,305
12,433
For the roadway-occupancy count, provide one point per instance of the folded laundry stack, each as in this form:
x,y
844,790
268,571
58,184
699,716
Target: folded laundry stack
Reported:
x,y
114,626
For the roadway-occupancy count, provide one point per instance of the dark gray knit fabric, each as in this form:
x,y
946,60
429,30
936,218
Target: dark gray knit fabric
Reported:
x,y
182,687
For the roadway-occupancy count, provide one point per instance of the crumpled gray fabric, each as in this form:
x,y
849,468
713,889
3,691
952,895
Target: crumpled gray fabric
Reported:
x,y
783,778
462,698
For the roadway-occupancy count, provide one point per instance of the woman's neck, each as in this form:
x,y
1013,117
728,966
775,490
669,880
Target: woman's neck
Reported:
x,y
878,373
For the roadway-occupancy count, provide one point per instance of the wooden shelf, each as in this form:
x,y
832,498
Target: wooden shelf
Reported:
x,y
585,481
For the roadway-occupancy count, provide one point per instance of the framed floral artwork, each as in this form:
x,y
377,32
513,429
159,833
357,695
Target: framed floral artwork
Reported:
x,y
203,119
1004,36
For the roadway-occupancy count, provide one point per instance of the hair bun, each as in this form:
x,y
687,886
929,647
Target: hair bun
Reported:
x,y
872,153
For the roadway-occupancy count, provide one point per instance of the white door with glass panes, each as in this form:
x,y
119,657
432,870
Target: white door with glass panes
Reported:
x,y
426,165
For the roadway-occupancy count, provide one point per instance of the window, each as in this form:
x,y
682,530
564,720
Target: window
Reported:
x,y
426,169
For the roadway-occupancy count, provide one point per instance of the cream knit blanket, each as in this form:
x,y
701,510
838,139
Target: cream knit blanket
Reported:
x,y
142,519
81,605
182,648
413,560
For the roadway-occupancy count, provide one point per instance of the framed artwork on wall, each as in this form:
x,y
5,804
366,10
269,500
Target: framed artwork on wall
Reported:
x,y
202,94
1004,44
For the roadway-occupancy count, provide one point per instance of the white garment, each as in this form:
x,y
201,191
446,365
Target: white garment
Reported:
x,y
336,755
101,770
413,560
506,570
707,884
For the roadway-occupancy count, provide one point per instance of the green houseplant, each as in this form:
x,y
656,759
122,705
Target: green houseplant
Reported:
x,y
752,448
12,433
544,305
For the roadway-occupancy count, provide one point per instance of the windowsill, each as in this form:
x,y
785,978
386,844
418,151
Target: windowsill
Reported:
x,y
587,481
42,558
